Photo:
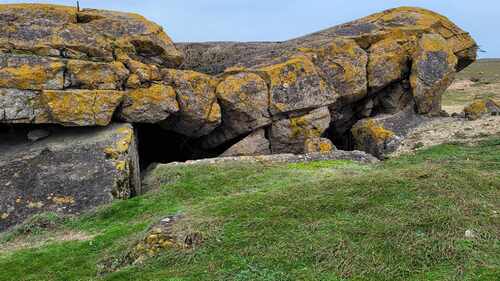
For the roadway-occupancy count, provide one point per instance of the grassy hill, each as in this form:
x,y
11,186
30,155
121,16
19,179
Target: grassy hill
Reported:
x,y
431,216
485,77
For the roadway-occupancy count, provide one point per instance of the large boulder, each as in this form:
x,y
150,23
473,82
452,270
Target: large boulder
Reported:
x,y
199,113
119,66
289,135
59,31
361,85
380,135
70,171
244,100
376,65
253,144
432,72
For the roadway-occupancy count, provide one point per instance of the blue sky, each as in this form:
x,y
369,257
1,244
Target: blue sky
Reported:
x,y
276,20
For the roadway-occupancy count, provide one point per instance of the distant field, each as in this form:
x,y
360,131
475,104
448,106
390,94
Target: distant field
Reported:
x,y
479,80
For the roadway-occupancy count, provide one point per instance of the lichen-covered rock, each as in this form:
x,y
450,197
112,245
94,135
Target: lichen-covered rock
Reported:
x,y
389,61
26,72
399,23
199,113
244,100
91,75
51,30
382,134
81,107
375,77
289,135
372,137
376,65
481,107
253,144
318,145
149,105
22,106
70,171
432,72
296,85
343,66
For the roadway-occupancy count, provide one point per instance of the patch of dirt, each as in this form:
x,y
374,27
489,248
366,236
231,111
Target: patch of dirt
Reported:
x,y
24,242
448,130
461,85
463,92
453,108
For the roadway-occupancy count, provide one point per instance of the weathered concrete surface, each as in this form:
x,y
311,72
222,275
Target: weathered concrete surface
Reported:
x,y
70,171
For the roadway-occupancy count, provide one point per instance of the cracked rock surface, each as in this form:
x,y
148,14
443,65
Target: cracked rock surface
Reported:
x,y
360,85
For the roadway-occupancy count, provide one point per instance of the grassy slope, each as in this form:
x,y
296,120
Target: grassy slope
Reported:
x,y
404,219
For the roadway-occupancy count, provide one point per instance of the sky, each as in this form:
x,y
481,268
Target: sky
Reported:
x,y
278,20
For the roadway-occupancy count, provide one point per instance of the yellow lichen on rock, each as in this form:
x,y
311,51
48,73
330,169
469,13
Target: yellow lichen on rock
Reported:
x,y
388,61
285,74
122,144
149,105
318,145
371,129
480,107
199,113
341,63
26,74
101,76
295,84
244,92
432,72
82,107
301,127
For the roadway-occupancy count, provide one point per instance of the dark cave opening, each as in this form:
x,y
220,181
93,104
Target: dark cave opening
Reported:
x,y
343,140
157,145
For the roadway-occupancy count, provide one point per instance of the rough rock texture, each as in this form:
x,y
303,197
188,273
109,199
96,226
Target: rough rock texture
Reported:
x,y
70,60
69,171
355,155
382,134
322,145
375,65
254,144
199,113
432,72
289,135
363,84
90,67
481,107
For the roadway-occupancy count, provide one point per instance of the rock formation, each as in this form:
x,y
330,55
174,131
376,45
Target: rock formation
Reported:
x,y
360,85
71,170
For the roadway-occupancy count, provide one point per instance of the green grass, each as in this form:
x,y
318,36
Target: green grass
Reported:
x,y
404,219
486,75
